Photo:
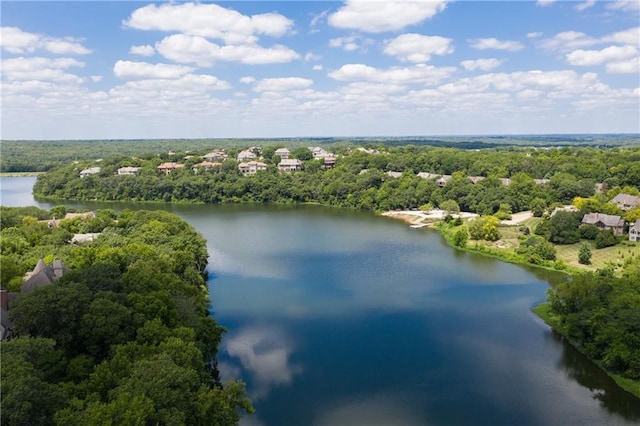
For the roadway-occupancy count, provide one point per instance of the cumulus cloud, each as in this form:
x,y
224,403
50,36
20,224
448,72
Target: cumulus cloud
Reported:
x,y
311,57
129,70
493,43
425,74
484,64
585,58
145,50
16,41
624,5
282,84
208,20
630,37
198,50
534,34
351,43
567,41
43,69
380,16
581,7
417,48
544,3
247,80
317,67
630,66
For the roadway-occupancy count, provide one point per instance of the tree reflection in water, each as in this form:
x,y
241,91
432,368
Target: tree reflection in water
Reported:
x,y
603,388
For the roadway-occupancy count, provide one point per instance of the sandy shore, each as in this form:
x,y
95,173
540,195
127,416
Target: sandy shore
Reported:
x,y
418,217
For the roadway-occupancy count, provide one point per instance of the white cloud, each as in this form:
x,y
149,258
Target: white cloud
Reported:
x,y
247,80
567,41
317,67
282,84
38,68
624,5
96,78
317,19
483,64
586,58
311,57
129,70
351,43
380,16
544,3
581,7
144,50
417,48
14,40
630,66
198,50
493,43
630,37
209,20
534,34
425,74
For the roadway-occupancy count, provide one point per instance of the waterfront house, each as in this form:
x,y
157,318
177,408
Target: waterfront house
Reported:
x,y
168,167
626,201
605,221
634,231
128,171
251,167
89,171
290,165
43,274
246,155
283,153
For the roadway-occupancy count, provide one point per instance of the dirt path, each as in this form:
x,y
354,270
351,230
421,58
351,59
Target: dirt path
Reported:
x,y
518,218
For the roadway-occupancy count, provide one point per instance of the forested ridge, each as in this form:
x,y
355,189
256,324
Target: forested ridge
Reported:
x,y
124,337
571,172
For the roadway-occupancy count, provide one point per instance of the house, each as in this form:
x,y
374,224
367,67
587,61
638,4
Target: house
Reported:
x,y
505,181
290,165
43,274
54,223
394,175
328,163
205,165
89,171
247,155
605,221
626,201
128,171
443,180
215,155
319,152
568,208
634,231
83,238
251,167
6,300
283,153
167,168
425,175
371,151
541,181
475,179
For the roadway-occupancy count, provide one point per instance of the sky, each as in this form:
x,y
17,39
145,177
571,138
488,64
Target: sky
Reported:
x,y
121,70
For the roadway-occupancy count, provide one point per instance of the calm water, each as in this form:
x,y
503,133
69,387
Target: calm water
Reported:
x,y
342,318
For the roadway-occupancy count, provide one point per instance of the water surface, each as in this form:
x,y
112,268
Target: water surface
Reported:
x,y
343,318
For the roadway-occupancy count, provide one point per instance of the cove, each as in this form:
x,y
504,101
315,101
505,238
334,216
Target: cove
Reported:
x,y
342,318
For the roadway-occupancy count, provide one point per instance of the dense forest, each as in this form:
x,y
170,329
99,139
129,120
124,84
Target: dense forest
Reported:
x,y
38,156
599,314
124,336
360,180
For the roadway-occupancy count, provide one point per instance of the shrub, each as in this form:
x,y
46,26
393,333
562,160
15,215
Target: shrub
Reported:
x,y
588,232
605,238
584,254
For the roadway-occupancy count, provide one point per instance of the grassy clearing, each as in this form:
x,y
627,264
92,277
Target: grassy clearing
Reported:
x,y
614,256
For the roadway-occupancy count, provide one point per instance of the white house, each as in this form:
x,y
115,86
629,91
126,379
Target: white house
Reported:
x,y
89,171
247,155
634,231
251,167
216,155
290,165
319,152
130,171
283,153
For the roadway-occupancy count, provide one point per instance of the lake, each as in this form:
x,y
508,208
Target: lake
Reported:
x,y
337,317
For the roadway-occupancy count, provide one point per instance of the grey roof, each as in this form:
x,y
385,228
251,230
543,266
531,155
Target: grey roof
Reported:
x,y
606,219
43,274
626,199
636,225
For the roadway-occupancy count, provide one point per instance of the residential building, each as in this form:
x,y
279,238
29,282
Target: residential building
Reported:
x,y
251,167
205,165
290,165
626,201
247,155
283,153
167,168
425,175
130,171
43,274
89,171
505,181
476,179
605,221
541,181
329,163
319,152
215,155
634,231
394,175
443,180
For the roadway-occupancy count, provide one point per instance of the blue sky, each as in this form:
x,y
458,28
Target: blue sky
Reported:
x,y
103,70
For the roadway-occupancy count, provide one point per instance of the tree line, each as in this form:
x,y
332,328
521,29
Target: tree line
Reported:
x,y
124,337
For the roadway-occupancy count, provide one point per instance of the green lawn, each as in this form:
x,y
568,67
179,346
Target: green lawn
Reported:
x,y
600,258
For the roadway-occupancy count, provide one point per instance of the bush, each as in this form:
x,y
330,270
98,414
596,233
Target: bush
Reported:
x,y
605,238
460,237
589,232
584,254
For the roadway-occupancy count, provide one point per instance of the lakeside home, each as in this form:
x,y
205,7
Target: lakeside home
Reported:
x,y
626,201
605,221
251,167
